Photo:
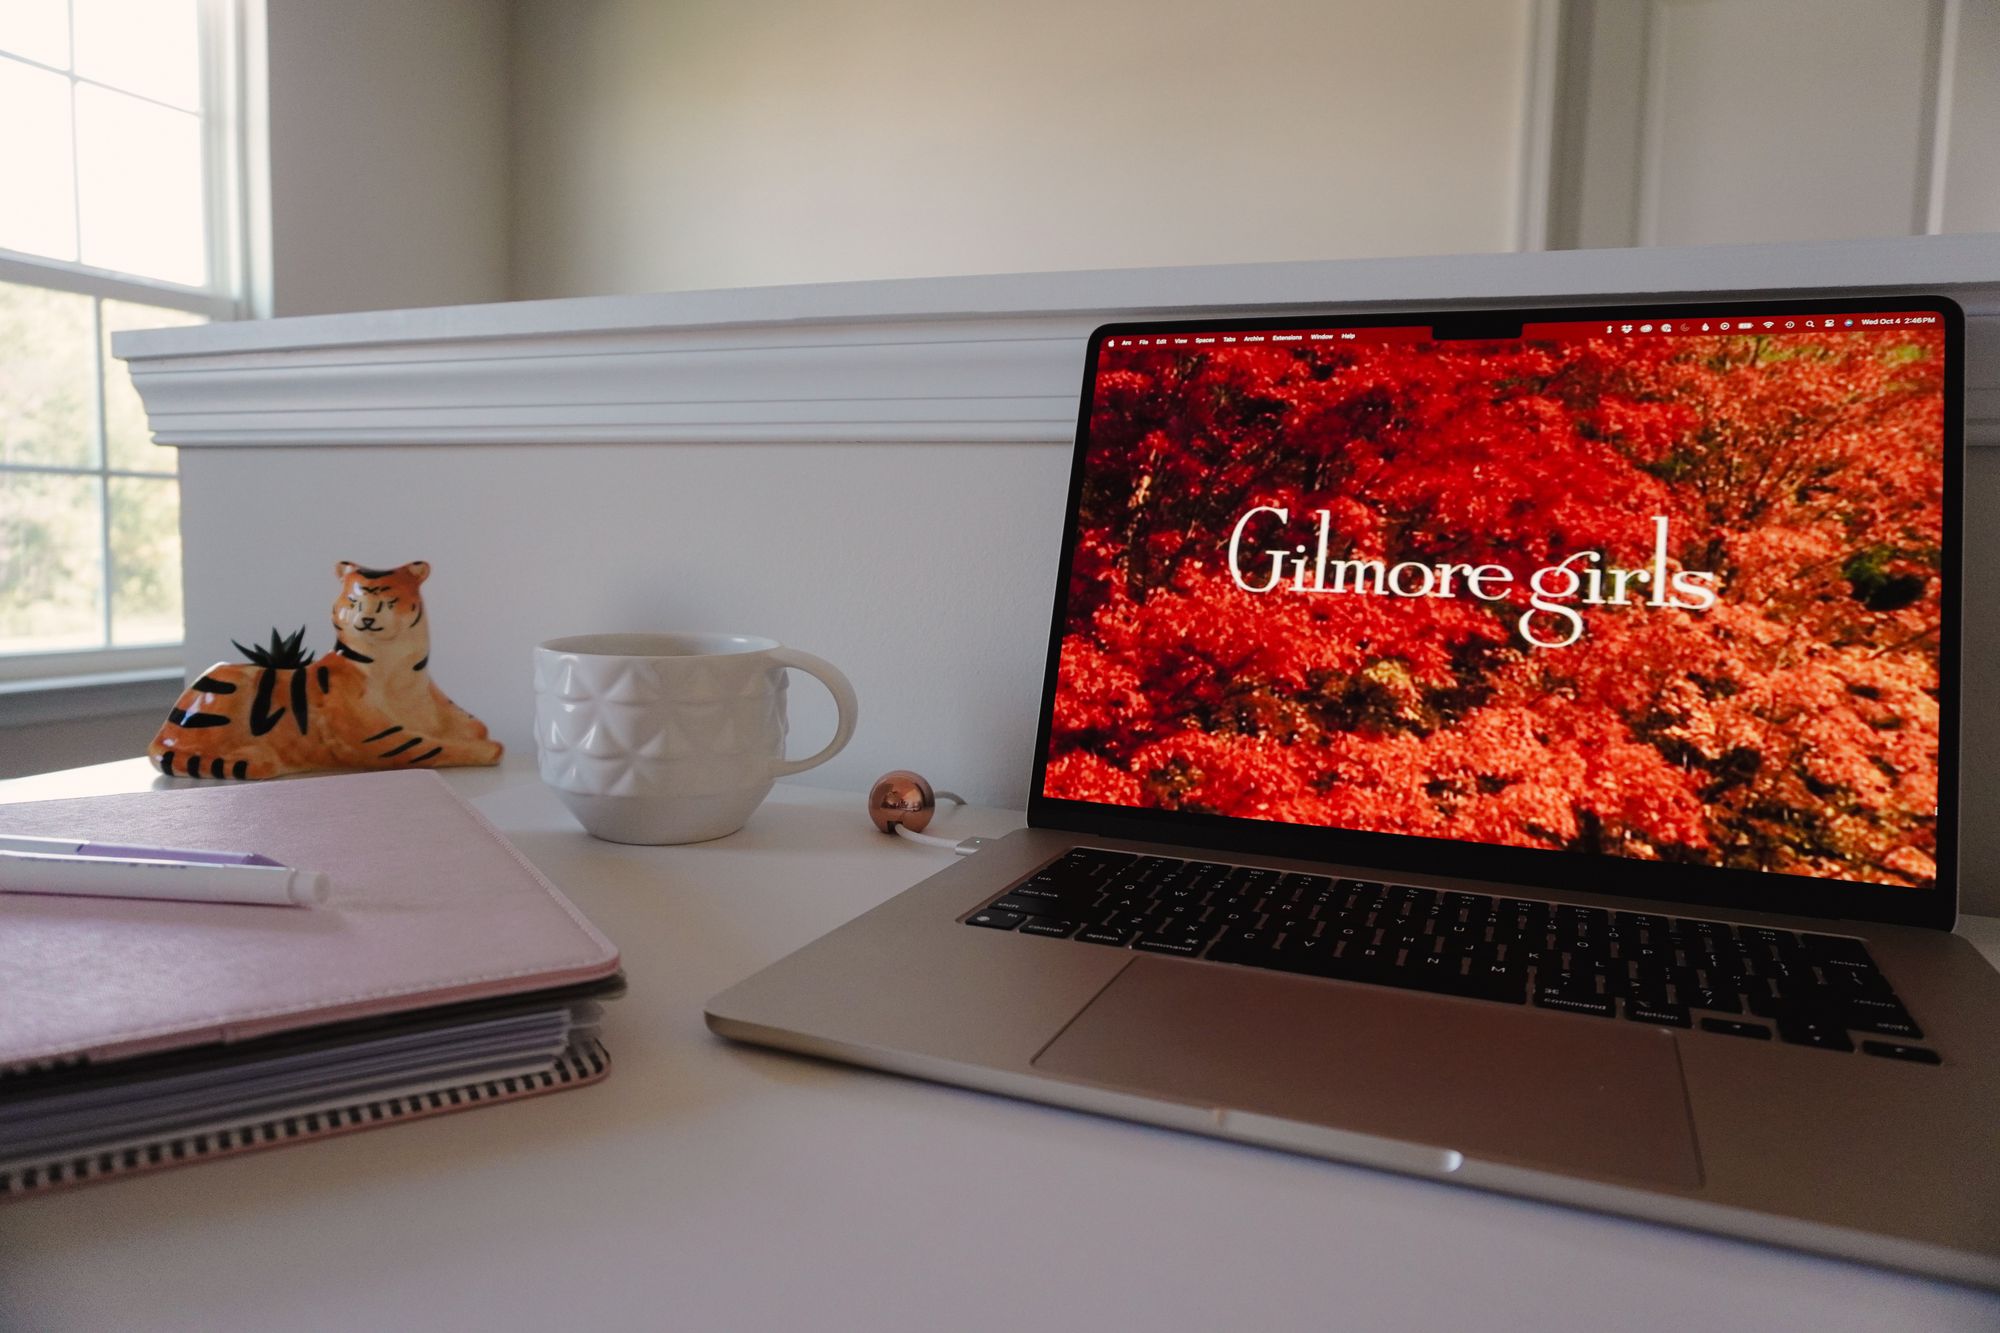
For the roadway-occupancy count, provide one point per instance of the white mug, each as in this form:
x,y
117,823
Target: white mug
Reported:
x,y
668,738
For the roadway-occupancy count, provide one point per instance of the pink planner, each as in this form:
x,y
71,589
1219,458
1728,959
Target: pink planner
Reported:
x,y
430,906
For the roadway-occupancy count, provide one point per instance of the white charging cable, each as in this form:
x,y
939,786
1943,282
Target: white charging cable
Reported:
x,y
903,803
963,846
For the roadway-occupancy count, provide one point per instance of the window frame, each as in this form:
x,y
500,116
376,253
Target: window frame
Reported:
x,y
225,226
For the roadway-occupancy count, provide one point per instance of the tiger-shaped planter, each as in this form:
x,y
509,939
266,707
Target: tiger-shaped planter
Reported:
x,y
371,703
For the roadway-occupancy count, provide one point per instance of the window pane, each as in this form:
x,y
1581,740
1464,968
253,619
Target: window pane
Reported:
x,y
37,29
145,560
51,563
39,216
147,47
139,182
127,440
48,378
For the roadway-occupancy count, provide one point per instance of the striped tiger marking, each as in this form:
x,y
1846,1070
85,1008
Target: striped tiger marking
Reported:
x,y
218,767
184,719
262,719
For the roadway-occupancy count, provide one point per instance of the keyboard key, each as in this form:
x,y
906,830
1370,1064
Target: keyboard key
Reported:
x,y
1886,1017
1837,947
1573,1002
1730,1027
1050,926
993,920
1813,1030
1356,963
1306,950
1243,945
1048,901
1666,1015
1181,945
1095,856
1897,1051
1499,981
1117,939
1856,982
1572,982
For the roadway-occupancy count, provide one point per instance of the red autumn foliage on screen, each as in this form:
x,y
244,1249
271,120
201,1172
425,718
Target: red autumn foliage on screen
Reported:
x,y
1792,727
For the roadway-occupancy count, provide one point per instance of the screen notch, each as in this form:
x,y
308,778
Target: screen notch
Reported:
x,y
1477,325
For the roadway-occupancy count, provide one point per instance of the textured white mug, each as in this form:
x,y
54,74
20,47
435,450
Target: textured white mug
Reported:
x,y
664,738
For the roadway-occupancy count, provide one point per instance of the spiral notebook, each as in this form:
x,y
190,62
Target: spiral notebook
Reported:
x,y
444,973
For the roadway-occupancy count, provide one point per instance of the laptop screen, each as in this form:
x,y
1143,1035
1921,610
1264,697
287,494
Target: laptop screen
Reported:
x,y
1674,587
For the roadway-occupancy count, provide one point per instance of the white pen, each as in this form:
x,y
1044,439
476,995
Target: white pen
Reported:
x,y
142,877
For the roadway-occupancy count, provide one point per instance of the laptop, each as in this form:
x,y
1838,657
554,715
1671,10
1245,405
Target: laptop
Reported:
x,y
1510,747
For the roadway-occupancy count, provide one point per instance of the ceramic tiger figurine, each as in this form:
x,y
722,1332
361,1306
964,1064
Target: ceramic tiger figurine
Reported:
x,y
370,703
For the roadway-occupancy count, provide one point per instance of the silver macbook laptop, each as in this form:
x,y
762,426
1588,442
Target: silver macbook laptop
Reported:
x,y
1516,748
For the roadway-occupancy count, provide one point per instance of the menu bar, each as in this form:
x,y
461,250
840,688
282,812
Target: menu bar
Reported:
x,y
1760,323
1400,333
1774,322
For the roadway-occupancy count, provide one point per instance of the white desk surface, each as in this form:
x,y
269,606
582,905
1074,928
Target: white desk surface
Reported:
x,y
712,1186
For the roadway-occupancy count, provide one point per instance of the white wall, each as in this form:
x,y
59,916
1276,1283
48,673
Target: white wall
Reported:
x,y
387,154
709,143
924,573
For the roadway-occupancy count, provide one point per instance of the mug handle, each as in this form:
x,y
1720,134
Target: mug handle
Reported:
x,y
843,699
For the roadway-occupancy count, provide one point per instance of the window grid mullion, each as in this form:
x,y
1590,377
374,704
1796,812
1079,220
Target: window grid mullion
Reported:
x,y
58,470
75,140
65,275
103,466
17,58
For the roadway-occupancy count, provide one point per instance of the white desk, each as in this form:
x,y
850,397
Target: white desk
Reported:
x,y
713,1186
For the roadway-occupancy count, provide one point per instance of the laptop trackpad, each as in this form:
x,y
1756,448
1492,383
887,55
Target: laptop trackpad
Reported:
x,y
1580,1094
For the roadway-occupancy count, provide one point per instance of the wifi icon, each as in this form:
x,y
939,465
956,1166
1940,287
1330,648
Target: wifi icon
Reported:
x,y
1767,323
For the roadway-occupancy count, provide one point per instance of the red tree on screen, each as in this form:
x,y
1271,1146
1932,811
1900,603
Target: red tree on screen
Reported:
x,y
1793,726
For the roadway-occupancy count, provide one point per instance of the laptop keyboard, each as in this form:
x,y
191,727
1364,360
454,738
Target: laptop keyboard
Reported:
x,y
1751,982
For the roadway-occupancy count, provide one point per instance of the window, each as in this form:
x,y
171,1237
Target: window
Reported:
x,y
116,168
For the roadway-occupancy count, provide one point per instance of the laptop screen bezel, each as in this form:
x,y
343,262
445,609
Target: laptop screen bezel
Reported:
x,y
1535,868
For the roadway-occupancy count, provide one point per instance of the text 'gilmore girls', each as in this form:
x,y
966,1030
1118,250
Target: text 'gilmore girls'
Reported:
x,y
1554,591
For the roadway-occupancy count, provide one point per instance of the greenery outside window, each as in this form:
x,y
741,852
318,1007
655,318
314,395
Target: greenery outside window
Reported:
x,y
119,161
